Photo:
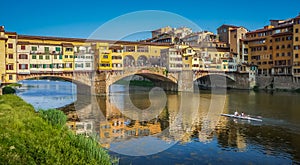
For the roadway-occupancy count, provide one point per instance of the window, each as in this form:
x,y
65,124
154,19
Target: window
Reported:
x,y
271,47
277,39
66,56
186,58
277,54
68,65
289,38
9,67
40,57
23,66
105,56
105,65
283,54
10,56
282,47
142,49
60,57
23,47
296,38
47,57
23,56
33,56
34,48
289,46
46,49
10,77
69,49
87,65
10,45
57,49
296,56
277,47
296,30
55,56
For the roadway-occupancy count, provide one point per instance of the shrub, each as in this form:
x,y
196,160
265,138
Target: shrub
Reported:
x,y
54,117
8,90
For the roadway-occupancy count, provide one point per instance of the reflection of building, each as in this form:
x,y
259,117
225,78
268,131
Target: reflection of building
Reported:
x,y
82,127
116,127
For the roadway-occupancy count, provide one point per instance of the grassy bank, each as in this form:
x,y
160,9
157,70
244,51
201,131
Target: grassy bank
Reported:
x,y
27,137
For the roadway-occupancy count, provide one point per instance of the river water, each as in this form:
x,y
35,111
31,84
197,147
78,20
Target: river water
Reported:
x,y
153,127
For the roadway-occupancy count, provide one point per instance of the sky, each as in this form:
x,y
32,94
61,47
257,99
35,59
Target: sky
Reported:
x,y
82,19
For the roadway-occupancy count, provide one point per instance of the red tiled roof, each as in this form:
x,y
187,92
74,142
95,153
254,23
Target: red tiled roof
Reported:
x,y
89,40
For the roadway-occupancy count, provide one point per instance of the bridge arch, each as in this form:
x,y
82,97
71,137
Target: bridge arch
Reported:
x,y
129,61
201,75
157,76
142,60
77,78
222,80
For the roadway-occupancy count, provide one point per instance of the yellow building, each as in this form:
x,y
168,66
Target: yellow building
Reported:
x,y
68,56
3,40
11,57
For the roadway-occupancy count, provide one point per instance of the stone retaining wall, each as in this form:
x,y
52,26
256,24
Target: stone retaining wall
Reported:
x,y
276,82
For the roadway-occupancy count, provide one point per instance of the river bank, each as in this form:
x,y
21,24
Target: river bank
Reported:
x,y
27,138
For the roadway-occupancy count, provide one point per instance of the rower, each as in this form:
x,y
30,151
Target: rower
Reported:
x,y
242,114
236,113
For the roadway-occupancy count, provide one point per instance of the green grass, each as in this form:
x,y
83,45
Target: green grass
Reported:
x,y
27,137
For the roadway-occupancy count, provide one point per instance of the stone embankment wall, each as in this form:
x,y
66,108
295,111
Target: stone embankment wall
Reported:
x,y
242,81
276,82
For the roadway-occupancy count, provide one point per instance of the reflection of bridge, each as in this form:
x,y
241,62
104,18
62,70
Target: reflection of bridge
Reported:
x,y
171,81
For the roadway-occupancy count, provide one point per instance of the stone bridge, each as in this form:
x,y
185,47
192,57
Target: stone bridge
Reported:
x,y
101,81
171,81
83,78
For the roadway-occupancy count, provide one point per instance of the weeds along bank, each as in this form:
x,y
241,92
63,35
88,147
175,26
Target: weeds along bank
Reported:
x,y
28,137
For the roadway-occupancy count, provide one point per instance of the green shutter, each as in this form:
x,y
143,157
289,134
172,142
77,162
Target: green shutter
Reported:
x,y
44,66
60,56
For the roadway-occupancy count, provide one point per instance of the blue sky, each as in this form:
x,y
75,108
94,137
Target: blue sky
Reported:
x,y
81,18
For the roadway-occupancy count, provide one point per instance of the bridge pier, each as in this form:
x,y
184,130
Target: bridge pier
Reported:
x,y
99,84
185,81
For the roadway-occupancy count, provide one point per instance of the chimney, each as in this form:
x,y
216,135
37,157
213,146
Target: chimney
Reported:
x,y
1,28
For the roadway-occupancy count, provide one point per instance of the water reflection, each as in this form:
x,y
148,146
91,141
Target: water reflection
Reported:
x,y
46,94
188,130
182,128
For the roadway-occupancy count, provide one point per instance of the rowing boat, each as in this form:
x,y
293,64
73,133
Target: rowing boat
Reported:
x,y
241,117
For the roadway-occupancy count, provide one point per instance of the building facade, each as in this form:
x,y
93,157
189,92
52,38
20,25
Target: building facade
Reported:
x,y
274,48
